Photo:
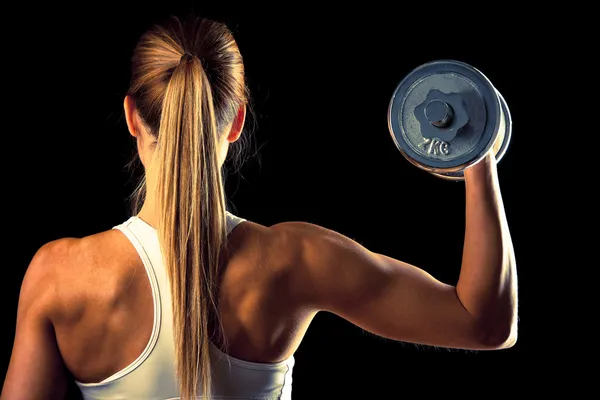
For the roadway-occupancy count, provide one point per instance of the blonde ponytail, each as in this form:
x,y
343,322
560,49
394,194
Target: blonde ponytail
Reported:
x,y
192,222
186,103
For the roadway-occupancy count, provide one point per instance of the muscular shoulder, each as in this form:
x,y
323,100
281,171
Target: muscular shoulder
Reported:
x,y
59,272
61,258
317,247
52,262
40,289
286,245
326,265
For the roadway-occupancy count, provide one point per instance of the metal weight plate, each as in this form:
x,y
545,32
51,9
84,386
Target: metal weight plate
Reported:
x,y
500,145
445,116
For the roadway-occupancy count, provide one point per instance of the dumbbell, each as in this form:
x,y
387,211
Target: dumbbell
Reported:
x,y
446,115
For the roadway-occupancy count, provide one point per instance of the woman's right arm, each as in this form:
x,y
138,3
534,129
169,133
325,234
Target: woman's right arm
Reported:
x,y
399,301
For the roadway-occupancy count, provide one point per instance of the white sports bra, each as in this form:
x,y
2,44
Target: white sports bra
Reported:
x,y
152,375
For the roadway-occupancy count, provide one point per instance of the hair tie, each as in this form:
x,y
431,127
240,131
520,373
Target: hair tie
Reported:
x,y
189,57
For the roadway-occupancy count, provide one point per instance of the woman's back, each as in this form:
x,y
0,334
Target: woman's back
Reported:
x,y
115,340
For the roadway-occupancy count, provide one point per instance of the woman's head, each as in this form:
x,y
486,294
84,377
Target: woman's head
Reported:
x,y
186,103
157,55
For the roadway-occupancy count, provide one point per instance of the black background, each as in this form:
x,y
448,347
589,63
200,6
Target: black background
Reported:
x,y
321,79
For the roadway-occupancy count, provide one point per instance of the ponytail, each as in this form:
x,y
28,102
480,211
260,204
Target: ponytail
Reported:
x,y
192,221
185,112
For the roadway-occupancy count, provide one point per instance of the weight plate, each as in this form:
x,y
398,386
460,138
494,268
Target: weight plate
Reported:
x,y
507,119
500,145
444,139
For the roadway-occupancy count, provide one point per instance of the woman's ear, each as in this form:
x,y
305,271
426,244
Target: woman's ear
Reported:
x,y
238,125
131,116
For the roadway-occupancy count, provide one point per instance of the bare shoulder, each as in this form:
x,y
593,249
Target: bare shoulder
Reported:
x,y
275,246
62,252
60,256
318,250
54,253
288,244
327,265
36,368
41,285
60,271
314,241
269,256
52,261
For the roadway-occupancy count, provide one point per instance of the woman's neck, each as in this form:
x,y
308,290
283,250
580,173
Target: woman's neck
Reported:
x,y
148,212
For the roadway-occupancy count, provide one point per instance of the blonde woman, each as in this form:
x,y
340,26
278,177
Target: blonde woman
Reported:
x,y
185,300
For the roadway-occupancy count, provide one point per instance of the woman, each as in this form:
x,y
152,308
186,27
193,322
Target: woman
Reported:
x,y
185,299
